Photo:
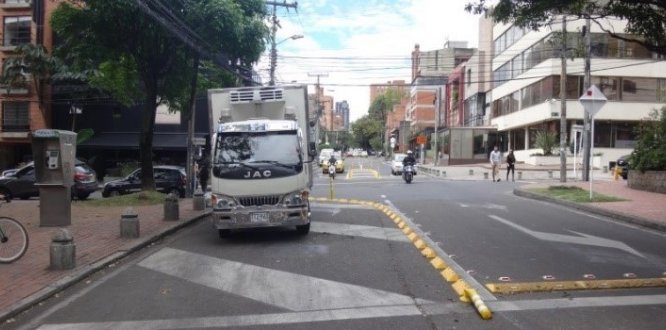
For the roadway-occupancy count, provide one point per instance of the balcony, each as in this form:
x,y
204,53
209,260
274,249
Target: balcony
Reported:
x,y
15,90
15,4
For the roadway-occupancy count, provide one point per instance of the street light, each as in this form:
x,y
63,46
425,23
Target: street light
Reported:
x,y
274,55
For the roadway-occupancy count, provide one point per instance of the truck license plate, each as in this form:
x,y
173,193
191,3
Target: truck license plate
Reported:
x,y
259,217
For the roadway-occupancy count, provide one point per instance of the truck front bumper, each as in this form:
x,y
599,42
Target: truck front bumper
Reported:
x,y
260,217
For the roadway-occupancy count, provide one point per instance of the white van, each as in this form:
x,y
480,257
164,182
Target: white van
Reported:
x,y
324,155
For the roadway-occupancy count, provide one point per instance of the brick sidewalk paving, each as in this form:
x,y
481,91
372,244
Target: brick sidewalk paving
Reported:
x,y
96,233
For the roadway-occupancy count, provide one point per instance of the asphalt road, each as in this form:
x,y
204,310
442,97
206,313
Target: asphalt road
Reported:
x,y
356,270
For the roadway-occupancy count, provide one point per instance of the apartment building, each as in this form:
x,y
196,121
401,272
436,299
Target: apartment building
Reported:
x,y
430,71
23,22
396,115
526,74
342,116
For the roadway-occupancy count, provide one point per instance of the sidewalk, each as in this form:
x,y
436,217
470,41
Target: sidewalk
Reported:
x,y
96,233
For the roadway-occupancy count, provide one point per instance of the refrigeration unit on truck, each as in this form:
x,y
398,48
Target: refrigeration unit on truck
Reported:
x,y
262,153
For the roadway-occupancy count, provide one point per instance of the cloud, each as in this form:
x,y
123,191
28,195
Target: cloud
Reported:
x,y
362,43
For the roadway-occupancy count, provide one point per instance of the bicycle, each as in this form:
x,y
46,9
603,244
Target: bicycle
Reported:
x,y
13,239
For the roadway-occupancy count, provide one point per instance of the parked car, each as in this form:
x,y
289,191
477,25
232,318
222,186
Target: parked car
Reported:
x,y
396,163
168,179
21,183
9,172
623,163
325,154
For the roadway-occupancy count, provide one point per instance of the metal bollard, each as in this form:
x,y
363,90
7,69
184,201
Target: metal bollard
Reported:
x,y
605,169
62,250
171,208
198,202
129,224
520,175
485,175
471,172
550,174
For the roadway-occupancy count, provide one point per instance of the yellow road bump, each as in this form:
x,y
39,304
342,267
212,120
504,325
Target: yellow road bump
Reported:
x,y
438,263
459,287
513,288
397,220
420,244
413,237
428,253
394,216
481,307
407,230
449,275
401,224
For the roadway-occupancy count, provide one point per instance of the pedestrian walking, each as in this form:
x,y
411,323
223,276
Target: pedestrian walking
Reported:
x,y
204,172
495,160
510,162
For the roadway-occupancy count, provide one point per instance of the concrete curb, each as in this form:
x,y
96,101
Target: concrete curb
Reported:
x,y
89,269
593,209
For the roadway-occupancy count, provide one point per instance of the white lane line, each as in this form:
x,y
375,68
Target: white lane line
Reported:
x,y
359,231
264,319
277,288
583,239
524,305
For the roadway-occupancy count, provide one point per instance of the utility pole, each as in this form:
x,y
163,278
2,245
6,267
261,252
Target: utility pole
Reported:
x,y
274,25
317,94
438,104
587,135
563,103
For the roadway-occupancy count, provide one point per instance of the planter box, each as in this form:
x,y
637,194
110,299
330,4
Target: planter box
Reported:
x,y
654,181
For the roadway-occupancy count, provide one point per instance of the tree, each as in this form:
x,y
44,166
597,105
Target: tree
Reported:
x,y
142,61
650,151
32,63
365,129
644,18
546,140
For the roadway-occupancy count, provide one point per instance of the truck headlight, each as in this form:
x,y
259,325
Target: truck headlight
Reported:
x,y
295,199
222,202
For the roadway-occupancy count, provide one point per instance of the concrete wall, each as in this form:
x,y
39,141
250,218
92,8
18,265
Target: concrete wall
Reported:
x,y
654,181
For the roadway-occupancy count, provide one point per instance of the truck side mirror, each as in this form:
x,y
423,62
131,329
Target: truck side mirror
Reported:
x,y
312,149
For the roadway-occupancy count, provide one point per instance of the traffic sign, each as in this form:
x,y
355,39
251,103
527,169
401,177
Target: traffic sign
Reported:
x,y
199,141
421,139
593,100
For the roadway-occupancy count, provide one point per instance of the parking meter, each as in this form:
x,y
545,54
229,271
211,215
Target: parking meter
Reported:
x,y
54,155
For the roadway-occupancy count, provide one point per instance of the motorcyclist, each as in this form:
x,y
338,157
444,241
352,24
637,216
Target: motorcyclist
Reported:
x,y
332,160
409,159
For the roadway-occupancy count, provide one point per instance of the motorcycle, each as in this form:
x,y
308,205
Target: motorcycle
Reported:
x,y
408,173
331,171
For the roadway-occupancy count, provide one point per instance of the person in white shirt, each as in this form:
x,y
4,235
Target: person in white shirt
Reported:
x,y
495,159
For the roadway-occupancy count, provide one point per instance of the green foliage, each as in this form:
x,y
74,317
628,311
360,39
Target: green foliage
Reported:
x,y
645,18
650,151
140,61
366,128
573,194
546,140
136,199
84,135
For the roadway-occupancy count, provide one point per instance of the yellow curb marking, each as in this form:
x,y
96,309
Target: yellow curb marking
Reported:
x,y
420,244
438,263
512,288
450,275
407,230
481,307
413,237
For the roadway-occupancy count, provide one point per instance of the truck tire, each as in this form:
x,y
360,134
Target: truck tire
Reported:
x,y
224,233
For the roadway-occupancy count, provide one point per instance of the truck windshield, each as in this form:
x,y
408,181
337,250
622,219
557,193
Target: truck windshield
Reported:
x,y
280,148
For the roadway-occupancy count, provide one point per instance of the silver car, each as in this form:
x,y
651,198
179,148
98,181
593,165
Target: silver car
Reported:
x,y
396,164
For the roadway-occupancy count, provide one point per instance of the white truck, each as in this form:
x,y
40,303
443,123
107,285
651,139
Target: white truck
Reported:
x,y
262,153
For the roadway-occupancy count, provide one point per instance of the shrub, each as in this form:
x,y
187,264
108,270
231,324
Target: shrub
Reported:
x,y
546,140
650,151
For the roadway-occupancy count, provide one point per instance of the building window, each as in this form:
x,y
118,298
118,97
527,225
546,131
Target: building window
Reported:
x,y
15,117
17,30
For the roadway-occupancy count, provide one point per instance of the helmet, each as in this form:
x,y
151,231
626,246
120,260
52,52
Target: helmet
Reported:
x,y
409,152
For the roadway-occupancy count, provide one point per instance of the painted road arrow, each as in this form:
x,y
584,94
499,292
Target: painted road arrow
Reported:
x,y
583,239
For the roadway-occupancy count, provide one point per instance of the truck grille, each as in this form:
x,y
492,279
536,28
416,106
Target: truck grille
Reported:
x,y
259,200
248,96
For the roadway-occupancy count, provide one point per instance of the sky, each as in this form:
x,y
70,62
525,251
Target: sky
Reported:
x,y
358,43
